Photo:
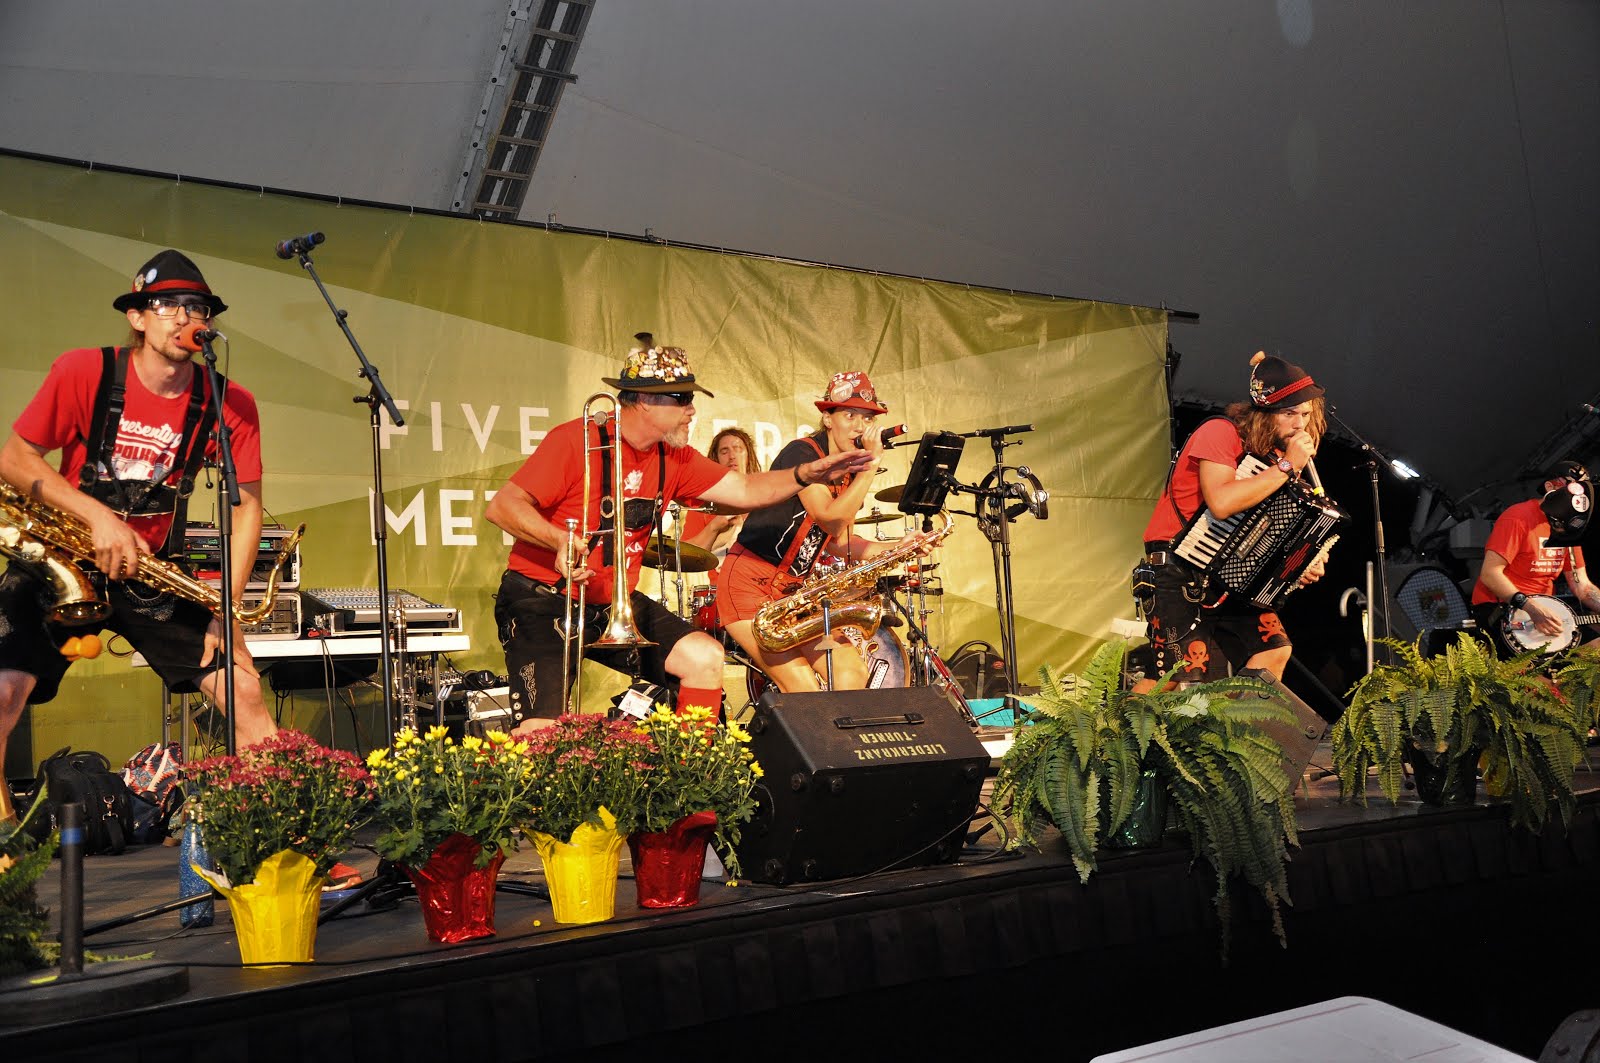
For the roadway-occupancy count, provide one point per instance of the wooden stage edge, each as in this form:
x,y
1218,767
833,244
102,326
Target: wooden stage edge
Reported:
x,y
1449,914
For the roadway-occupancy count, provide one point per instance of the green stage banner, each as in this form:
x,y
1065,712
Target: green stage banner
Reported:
x,y
489,334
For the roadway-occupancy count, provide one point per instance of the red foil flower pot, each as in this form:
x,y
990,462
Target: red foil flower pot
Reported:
x,y
667,866
457,898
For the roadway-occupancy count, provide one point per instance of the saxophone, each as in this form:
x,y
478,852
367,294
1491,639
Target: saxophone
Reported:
x,y
58,548
788,622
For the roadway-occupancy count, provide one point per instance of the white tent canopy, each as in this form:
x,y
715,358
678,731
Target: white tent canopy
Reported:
x,y
1403,197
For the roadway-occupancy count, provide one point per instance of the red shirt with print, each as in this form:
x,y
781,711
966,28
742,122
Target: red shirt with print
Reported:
x,y
149,437
1216,440
1518,536
553,477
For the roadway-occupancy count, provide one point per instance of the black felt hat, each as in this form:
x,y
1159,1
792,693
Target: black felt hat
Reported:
x,y
1278,385
168,273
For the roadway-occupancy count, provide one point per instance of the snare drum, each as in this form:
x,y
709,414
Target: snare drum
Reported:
x,y
704,615
883,652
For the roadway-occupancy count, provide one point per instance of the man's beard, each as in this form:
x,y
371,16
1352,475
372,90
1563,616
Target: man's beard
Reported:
x,y
678,437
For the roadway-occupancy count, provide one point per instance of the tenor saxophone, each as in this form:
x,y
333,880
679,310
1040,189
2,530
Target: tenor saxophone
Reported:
x,y
789,622
59,549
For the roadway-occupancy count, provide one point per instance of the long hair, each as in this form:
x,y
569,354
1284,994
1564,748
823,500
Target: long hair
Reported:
x,y
1259,431
750,463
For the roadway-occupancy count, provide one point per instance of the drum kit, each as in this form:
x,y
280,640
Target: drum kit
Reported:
x,y
891,662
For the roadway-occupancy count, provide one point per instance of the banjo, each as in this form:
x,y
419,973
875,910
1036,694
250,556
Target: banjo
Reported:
x,y
1522,636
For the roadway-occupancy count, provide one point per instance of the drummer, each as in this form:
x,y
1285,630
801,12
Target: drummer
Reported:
x,y
732,448
778,545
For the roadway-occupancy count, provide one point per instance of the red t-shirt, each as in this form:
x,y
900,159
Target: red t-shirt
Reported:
x,y
149,437
553,476
1216,440
1518,536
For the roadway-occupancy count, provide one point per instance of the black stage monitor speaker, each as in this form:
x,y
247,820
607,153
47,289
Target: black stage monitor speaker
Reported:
x,y
859,781
1300,739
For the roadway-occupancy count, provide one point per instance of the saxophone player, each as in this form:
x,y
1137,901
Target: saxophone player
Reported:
x,y
778,546
133,424
654,408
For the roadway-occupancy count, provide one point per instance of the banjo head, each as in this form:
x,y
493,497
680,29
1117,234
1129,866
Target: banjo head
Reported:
x,y
1521,633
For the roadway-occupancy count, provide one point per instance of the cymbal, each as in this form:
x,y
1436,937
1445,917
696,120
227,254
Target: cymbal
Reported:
x,y
678,556
876,517
891,494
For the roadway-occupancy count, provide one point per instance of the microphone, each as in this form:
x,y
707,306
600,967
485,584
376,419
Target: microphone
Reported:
x,y
892,432
298,245
194,336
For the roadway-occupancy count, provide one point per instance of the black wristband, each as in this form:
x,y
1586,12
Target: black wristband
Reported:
x,y
1517,600
796,470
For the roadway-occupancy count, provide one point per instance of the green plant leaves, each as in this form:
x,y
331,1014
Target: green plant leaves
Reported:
x,y
1076,763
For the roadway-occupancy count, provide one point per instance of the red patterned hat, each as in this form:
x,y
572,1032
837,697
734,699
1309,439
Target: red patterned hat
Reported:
x,y
168,273
850,389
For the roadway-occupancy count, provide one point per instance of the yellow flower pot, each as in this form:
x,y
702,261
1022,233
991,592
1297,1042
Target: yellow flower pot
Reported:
x,y
582,873
276,915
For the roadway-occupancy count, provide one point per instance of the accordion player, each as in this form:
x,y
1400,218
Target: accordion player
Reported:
x,y
1260,554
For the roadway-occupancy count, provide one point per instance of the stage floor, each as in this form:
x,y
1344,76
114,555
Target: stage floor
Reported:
x,y
990,954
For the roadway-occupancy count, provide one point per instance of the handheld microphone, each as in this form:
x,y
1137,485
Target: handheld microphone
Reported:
x,y
298,245
892,432
194,336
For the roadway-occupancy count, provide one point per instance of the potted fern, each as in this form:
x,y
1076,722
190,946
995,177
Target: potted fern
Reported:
x,y
1092,755
1454,712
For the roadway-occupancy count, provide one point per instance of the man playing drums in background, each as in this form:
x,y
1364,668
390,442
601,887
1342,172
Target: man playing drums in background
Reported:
x,y
731,448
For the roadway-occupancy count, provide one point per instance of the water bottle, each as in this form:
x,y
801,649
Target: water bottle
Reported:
x,y
192,850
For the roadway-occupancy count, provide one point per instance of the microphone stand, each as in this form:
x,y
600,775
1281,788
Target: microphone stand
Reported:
x,y
1378,610
995,522
227,485
377,395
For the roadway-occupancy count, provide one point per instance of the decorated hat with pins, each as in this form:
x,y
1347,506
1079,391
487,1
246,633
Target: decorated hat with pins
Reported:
x,y
169,273
655,370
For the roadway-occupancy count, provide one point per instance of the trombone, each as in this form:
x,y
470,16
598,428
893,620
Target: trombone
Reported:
x,y
622,630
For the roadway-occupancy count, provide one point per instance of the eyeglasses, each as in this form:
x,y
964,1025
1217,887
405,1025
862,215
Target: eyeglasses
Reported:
x,y
199,310
666,398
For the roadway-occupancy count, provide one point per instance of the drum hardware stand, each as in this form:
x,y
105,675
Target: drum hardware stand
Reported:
x,y
676,512
926,663
827,638
406,695
377,396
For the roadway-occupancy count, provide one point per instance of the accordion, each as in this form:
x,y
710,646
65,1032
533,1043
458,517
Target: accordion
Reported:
x,y
1259,554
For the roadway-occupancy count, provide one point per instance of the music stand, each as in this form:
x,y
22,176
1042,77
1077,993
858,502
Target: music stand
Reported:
x,y
932,475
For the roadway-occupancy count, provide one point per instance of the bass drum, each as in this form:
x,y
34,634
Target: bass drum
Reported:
x,y
883,652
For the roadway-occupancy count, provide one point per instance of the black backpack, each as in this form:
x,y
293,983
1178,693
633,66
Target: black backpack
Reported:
x,y
86,778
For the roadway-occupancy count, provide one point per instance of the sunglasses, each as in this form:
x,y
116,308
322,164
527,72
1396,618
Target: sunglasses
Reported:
x,y
667,398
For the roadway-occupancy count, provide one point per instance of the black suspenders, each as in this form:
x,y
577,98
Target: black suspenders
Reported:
x,y
129,497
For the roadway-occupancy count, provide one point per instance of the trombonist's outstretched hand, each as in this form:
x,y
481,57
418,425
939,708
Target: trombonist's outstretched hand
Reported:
x,y
836,467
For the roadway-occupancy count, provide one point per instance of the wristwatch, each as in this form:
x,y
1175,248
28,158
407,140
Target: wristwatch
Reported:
x,y
1517,600
1286,466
